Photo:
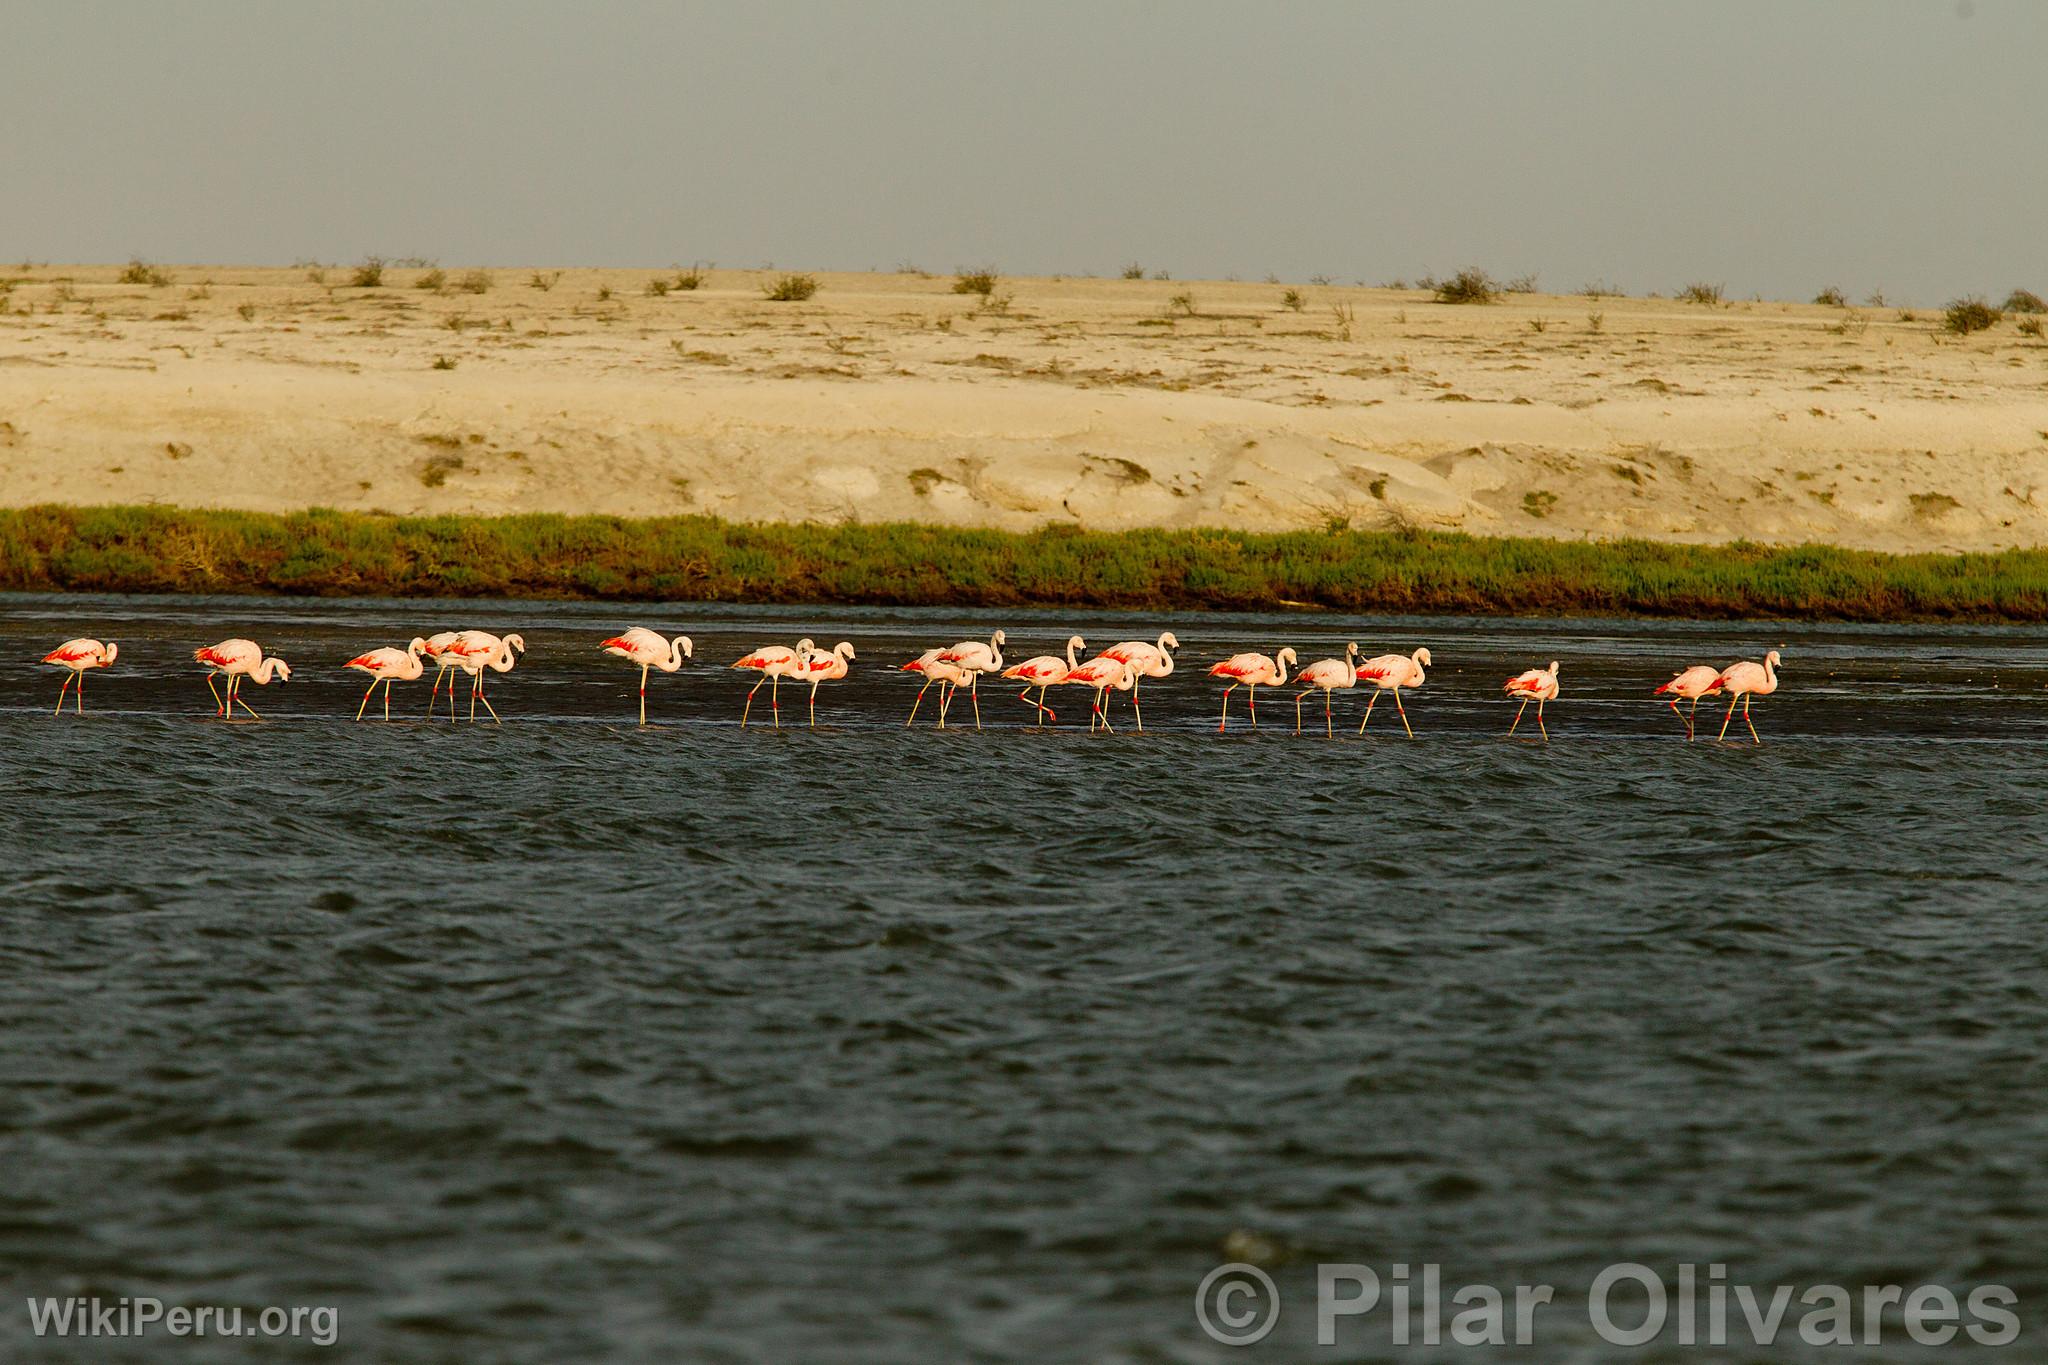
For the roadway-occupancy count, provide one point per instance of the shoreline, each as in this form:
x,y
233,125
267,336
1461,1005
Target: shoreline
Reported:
x,y
543,556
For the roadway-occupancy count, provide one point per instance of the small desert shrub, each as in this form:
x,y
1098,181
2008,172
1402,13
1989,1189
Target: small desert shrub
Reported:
x,y
246,310
475,282
1831,297
1520,284
139,271
2024,301
1968,315
1594,321
316,274
981,281
1182,303
368,275
604,293
543,280
791,289
998,304
1875,299
436,280
1699,291
1293,300
1134,271
658,287
1470,285
1343,315
2029,327
444,362
691,279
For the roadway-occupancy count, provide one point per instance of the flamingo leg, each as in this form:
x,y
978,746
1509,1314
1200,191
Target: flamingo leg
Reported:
x,y
1043,707
77,693
218,709
1725,719
749,710
974,695
235,699
1681,716
387,698
1329,730
366,699
946,691
643,694
919,701
1518,715
487,703
1369,703
60,694
1747,721
476,691
1135,709
1102,709
1539,720
1404,713
1225,722
1252,698
1297,711
814,706
775,698
1689,719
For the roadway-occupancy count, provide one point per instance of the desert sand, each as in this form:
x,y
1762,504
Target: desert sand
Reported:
x,y
1106,403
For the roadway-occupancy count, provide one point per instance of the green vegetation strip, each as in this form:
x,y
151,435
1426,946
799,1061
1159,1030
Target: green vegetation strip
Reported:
x,y
345,554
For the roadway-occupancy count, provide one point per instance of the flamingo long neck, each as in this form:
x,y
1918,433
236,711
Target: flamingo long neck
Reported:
x,y
1280,668
1770,675
1072,664
262,672
675,655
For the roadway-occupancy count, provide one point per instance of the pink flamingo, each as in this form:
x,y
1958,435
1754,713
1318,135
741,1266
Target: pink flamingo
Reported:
x,y
1538,685
975,658
1743,681
437,644
388,666
949,677
1693,683
1146,661
1329,675
1253,671
1103,673
773,663
78,656
819,666
475,651
235,660
1391,673
1050,670
639,645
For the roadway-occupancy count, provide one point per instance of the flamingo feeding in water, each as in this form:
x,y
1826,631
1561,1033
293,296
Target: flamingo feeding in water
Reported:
x,y
1538,685
1050,670
773,663
1253,671
935,670
1102,673
639,645
1743,681
975,658
1146,661
437,647
235,660
1391,673
1691,684
78,656
1329,675
821,666
475,651
388,666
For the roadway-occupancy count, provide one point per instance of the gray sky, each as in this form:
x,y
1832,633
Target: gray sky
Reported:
x,y
1776,146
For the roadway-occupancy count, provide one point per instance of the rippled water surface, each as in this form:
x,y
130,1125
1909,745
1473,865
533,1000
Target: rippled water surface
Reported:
x,y
566,1040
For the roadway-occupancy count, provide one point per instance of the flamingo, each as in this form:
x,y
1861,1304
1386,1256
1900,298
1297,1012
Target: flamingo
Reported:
x,y
234,660
975,658
474,652
1328,674
773,663
437,645
1693,683
1146,661
639,645
946,675
819,666
1050,670
1743,681
1103,673
78,656
388,666
1253,671
1391,673
1538,685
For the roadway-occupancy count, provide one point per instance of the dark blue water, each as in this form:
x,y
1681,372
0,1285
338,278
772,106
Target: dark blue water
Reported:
x,y
562,1040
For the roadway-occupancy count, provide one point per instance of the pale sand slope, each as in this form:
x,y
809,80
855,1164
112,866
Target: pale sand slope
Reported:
x,y
1092,402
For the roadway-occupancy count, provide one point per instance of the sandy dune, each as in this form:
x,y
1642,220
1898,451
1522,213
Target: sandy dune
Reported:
x,y
1105,403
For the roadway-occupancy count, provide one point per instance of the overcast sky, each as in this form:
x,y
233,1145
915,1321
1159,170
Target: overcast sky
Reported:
x,y
1775,146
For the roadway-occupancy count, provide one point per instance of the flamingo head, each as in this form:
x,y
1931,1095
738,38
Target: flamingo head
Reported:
x,y
997,638
418,646
683,643
844,649
1553,665
284,670
1422,659
1772,658
806,645
516,642
1167,641
1286,656
113,651
1351,650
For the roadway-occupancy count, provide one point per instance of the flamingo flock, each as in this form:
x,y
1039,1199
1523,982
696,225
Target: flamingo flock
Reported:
x,y
1120,668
